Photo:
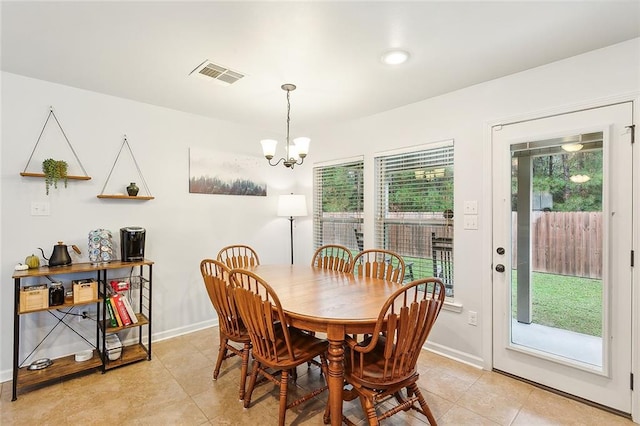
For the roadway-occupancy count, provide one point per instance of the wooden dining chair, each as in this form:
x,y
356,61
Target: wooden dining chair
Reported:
x,y
216,279
238,256
276,345
378,263
333,256
385,363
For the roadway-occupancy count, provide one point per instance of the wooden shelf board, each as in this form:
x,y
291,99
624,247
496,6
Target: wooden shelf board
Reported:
x,y
68,303
142,320
61,367
78,267
130,354
41,175
126,197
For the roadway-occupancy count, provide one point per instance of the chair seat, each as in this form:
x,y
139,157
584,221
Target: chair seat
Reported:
x,y
374,369
305,348
240,336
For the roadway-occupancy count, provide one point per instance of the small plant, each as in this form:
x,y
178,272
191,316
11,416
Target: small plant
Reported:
x,y
54,170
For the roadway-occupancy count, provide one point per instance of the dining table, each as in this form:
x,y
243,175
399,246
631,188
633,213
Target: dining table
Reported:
x,y
331,302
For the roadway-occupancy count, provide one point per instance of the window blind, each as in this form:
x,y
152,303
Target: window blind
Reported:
x,y
338,203
414,204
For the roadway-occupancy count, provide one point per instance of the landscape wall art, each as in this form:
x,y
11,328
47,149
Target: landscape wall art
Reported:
x,y
212,172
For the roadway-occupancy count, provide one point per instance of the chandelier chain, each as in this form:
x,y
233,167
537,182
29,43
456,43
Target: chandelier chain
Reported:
x,y
288,121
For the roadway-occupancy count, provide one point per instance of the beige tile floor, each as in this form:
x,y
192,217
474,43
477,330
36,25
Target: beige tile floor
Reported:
x,y
176,387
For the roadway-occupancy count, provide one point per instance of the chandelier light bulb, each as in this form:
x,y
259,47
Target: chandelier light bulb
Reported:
x,y
269,148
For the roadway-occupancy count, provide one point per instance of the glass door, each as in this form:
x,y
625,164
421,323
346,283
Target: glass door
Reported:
x,y
562,252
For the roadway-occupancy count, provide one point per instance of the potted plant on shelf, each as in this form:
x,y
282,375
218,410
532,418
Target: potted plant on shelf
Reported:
x,y
54,170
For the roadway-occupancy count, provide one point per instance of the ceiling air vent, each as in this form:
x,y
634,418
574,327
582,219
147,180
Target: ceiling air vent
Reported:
x,y
216,72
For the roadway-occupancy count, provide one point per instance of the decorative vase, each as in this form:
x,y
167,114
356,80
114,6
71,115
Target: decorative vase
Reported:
x,y
132,189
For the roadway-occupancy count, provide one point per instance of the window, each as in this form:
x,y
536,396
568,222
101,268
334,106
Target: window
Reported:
x,y
338,203
414,209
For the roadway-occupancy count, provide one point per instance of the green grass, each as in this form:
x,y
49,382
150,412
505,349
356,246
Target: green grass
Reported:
x,y
569,303
566,302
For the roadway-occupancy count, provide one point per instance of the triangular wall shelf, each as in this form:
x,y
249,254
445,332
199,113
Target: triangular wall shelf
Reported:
x,y
41,175
144,183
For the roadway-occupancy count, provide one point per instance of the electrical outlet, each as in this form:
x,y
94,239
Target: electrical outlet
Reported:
x,y
473,318
40,208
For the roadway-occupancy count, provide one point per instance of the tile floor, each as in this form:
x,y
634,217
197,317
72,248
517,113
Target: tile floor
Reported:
x,y
176,388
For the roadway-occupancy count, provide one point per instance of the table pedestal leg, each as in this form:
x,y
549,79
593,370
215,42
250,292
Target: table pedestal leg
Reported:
x,y
335,381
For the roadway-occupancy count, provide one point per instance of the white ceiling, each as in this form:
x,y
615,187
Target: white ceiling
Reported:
x,y
145,50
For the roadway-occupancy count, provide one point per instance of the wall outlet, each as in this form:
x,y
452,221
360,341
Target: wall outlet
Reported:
x,y
473,318
40,208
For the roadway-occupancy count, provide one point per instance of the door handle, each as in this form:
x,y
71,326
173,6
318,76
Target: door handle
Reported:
x,y
500,250
499,267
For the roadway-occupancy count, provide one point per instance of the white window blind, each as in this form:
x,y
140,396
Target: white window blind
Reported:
x,y
414,208
338,203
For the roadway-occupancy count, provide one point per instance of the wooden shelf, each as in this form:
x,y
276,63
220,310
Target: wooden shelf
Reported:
x,y
142,320
130,354
126,197
61,367
68,303
41,175
74,268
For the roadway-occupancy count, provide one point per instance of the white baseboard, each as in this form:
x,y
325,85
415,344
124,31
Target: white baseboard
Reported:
x,y
454,354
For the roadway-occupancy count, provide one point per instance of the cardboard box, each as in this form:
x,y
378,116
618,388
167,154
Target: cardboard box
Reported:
x,y
84,291
34,298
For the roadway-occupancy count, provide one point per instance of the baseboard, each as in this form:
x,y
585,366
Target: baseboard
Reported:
x,y
191,328
454,354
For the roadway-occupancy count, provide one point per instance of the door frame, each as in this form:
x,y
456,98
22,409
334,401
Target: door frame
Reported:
x,y
487,253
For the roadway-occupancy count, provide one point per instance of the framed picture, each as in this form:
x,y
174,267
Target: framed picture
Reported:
x,y
212,172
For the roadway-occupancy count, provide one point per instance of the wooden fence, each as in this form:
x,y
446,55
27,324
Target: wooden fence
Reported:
x,y
565,243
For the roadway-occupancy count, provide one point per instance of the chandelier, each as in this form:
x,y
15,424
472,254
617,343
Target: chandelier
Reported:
x,y
296,151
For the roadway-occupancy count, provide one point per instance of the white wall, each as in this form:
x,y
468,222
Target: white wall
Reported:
x,y
464,116
182,228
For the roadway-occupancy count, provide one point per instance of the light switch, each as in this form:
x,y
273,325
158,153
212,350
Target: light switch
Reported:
x,y
40,208
471,207
470,221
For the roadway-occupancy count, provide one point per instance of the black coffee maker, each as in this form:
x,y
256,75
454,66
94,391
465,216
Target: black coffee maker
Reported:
x,y
132,243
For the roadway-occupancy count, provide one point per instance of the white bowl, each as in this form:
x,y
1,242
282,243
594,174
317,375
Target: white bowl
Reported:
x,y
84,355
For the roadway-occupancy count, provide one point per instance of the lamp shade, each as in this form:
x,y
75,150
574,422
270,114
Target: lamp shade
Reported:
x,y
292,205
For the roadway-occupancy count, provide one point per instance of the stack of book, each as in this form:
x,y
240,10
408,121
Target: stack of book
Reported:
x,y
120,310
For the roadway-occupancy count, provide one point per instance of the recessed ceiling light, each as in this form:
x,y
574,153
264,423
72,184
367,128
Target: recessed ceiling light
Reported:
x,y
395,57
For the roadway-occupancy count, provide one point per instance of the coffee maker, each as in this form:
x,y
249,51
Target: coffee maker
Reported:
x,y
132,243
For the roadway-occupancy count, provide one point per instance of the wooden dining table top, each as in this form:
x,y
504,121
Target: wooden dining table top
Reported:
x,y
326,296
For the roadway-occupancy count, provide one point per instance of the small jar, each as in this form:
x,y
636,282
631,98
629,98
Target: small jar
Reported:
x,y
132,189
56,294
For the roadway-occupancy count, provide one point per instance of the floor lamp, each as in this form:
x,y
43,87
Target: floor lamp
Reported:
x,y
291,206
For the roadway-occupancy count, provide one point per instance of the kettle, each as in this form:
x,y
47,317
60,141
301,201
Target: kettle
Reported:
x,y
60,255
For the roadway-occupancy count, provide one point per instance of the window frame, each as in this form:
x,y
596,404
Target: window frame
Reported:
x,y
409,233
347,220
